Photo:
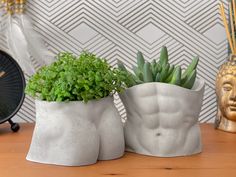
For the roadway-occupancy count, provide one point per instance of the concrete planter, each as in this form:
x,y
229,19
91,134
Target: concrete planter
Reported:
x,y
75,133
162,119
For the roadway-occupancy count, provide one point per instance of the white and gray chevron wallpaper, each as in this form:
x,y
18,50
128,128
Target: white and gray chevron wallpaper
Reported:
x,y
117,29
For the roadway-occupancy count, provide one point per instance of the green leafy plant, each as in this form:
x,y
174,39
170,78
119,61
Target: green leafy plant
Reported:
x,y
70,79
160,71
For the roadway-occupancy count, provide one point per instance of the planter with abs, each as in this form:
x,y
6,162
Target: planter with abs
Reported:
x,y
76,120
162,105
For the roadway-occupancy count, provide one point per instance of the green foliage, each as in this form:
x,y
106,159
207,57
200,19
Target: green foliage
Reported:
x,y
147,73
160,71
75,79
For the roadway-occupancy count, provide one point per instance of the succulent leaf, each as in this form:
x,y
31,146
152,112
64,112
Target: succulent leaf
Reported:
x,y
176,79
158,67
147,73
170,74
121,66
164,56
140,60
154,69
190,80
138,73
171,69
164,72
192,66
157,79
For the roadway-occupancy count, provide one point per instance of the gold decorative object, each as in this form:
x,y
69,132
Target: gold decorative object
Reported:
x,y
13,6
226,78
226,94
2,73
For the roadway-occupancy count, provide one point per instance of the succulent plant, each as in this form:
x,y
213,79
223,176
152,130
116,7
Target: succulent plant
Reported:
x,y
160,71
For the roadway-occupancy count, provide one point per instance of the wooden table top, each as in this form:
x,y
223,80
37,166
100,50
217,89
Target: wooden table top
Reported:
x,y
218,159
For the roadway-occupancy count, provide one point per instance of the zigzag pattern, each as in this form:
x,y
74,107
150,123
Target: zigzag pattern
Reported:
x,y
118,29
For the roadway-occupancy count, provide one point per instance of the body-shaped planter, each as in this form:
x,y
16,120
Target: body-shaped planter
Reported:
x,y
162,119
75,133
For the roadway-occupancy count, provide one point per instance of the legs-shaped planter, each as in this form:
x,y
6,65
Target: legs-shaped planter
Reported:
x,y
162,119
75,133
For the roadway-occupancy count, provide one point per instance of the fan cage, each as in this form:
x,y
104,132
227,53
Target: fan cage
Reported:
x,y
21,75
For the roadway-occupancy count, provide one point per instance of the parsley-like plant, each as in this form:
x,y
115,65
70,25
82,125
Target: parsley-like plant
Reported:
x,y
75,79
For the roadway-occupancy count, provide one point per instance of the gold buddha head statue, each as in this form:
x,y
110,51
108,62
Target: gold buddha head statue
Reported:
x,y
226,96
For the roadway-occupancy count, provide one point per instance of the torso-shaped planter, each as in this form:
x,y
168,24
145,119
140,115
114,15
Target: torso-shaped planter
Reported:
x,y
75,133
162,119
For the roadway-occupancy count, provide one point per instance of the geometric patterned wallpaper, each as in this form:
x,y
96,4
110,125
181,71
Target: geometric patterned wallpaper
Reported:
x,y
117,29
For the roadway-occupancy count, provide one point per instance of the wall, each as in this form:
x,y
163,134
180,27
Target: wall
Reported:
x,y
116,29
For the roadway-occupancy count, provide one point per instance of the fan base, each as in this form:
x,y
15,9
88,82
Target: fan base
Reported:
x,y
14,126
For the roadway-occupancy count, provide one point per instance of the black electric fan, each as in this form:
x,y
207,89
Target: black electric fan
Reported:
x,y
12,85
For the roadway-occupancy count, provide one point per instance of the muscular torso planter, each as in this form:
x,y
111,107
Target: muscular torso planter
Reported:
x,y
162,119
162,103
75,133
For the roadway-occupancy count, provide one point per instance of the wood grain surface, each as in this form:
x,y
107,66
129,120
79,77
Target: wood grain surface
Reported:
x,y
218,159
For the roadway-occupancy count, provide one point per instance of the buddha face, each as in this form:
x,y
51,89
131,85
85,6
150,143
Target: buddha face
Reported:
x,y
227,96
